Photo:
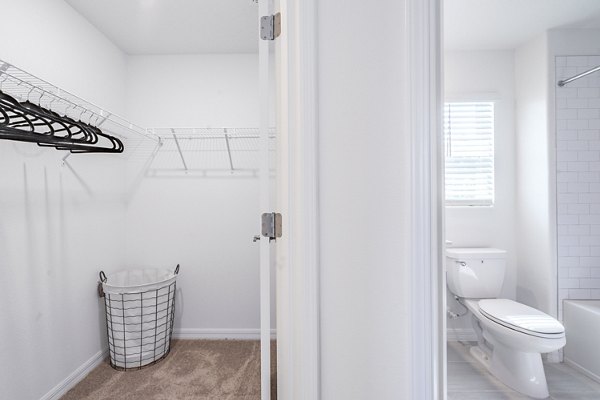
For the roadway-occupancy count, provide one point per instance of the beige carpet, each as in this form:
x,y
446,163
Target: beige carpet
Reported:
x,y
195,369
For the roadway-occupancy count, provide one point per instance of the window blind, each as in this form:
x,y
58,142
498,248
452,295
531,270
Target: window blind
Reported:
x,y
469,146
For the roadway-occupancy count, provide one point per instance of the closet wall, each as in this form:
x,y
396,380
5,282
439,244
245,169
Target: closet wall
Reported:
x,y
59,224
209,90
52,41
206,224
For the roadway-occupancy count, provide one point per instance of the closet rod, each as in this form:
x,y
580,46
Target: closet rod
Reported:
x,y
563,82
28,122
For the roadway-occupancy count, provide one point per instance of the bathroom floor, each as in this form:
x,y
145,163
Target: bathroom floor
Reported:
x,y
195,369
468,380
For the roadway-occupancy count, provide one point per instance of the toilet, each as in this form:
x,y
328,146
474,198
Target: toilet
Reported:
x,y
511,336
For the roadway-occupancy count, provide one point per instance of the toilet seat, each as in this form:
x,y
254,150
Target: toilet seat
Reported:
x,y
521,318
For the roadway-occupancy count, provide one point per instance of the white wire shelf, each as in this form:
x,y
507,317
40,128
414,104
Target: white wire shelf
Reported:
x,y
157,151
23,86
208,151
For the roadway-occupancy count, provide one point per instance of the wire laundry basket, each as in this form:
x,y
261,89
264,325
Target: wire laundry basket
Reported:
x,y
140,310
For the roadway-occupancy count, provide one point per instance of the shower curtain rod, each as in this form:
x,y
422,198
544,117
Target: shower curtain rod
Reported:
x,y
586,73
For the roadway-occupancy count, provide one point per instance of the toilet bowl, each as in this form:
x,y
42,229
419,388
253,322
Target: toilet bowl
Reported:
x,y
511,336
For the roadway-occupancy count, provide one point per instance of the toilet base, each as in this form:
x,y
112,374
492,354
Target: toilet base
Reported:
x,y
523,372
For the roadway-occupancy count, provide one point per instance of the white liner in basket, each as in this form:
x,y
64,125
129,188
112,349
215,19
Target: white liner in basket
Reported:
x,y
140,308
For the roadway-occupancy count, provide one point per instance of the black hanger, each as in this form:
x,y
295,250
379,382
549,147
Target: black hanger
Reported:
x,y
29,122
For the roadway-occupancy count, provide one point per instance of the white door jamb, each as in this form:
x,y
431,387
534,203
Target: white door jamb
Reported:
x,y
298,318
425,101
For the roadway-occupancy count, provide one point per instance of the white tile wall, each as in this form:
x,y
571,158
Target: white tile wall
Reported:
x,y
578,180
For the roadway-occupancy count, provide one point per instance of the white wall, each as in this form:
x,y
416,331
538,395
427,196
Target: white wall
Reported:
x,y
212,90
364,173
486,76
205,224
52,41
536,280
55,234
573,42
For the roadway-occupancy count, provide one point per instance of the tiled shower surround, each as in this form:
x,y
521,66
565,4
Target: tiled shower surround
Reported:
x,y
578,180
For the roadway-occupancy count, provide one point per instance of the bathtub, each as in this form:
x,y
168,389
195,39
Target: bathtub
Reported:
x,y
582,326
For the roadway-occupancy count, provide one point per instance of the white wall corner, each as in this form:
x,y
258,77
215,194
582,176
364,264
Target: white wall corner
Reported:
x,y
76,376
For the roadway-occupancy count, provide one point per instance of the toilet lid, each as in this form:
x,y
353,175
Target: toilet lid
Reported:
x,y
520,317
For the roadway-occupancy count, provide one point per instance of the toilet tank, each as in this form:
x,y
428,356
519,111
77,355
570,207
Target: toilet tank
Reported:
x,y
475,273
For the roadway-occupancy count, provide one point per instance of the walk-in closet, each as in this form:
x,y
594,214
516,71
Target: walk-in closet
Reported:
x,y
138,152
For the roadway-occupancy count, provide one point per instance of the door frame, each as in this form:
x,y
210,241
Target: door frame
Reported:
x,y
298,286
425,57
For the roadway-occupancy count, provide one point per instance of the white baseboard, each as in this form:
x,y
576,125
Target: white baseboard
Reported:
x,y
581,369
76,376
236,334
461,334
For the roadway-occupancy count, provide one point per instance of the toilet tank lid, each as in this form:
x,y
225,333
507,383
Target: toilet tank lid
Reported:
x,y
475,252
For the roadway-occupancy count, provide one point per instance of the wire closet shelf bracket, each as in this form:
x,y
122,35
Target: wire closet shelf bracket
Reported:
x,y
209,152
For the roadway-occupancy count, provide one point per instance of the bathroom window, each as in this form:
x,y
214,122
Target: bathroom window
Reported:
x,y
469,150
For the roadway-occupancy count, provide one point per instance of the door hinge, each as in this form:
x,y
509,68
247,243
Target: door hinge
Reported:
x,y
270,27
271,225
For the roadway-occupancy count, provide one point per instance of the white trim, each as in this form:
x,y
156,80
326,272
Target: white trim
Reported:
x,y
283,293
219,334
581,369
461,335
553,184
423,24
298,323
76,376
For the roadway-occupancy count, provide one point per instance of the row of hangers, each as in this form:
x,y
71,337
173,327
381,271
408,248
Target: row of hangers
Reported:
x,y
29,122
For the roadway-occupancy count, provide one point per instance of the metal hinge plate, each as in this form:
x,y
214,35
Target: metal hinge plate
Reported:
x,y
271,225
270,27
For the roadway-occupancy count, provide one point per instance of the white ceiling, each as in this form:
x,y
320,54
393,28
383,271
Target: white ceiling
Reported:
x,y
175,26
230,26
505,24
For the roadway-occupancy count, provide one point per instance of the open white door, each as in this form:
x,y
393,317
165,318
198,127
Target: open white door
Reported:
x,y
288,184
267,189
